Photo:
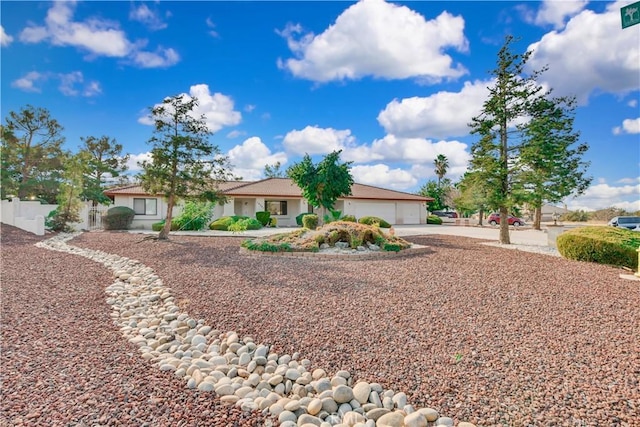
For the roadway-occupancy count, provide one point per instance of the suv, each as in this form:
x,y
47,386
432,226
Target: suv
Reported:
x,y
629,222
494,219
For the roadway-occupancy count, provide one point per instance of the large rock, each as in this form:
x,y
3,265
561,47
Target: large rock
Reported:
x,y
415,419
392,419
342,394
361,392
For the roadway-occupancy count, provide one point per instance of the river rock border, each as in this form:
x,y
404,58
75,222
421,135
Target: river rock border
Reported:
x,y
336,253
237,369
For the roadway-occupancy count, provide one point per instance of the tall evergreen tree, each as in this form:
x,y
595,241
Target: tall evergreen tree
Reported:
x,y
494,155
104,160
551,154
32,154
274,171
184,164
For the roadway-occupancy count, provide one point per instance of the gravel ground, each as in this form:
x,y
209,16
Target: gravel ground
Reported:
x,y
480,333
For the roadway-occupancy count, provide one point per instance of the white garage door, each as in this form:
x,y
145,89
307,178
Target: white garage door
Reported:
x,y
384,210
409,213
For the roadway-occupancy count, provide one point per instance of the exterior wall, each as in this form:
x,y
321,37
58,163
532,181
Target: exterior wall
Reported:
x,y
411,213
26,215
143,222
396,213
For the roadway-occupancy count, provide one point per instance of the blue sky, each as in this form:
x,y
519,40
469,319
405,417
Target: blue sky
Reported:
x,y
391,84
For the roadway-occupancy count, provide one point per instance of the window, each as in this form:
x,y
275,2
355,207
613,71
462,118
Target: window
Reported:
x,y
276,207
145,206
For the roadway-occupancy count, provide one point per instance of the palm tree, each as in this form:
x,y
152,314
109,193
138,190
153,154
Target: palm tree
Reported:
x,y
442,164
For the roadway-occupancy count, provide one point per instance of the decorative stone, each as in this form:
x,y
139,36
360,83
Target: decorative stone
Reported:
x,y
415,419
342,394
392,419
314,406
361,392
374,414
287,416
445,421
429,413
309,419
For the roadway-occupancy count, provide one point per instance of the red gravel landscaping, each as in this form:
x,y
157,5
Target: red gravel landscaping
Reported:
x,y
479,333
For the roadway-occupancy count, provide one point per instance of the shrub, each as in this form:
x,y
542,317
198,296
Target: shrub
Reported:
x,y
157,226
349,218
332,216
59,220
273,222
265,246
575,216
195,216
299,218
310,221
224,222
372,220
603,245
245,224
264,217
434,219
118,218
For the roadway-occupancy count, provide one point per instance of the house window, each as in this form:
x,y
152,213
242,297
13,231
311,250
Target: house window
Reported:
x,y
276,207
145,206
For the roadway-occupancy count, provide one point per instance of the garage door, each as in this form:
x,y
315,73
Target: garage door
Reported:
x,y
386,211
409,213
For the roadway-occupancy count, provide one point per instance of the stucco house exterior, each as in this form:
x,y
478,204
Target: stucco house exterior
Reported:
x,y
283,198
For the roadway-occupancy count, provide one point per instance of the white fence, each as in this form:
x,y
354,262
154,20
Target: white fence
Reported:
x,y
30,216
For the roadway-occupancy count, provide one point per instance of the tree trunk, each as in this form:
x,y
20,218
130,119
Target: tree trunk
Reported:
x,y
480,215
537,218
504,226
164,233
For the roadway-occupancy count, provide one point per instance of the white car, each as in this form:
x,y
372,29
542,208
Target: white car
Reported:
x,y
630,222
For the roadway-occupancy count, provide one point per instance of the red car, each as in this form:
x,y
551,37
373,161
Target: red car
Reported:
x,y
494,219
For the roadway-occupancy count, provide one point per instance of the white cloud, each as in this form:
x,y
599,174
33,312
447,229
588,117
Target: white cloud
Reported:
x,y
151,19
69,85
555,12
235,133
134,159
603,195
161,58
590,54
315,140
92,89
212,25
5,39
382,176
419,150
217,109
28,82
628,126
98,37
379,39
249,108
633,103
441,115
250,158
628,180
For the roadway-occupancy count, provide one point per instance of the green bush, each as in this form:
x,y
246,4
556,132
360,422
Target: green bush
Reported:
x,y
434,219
194,216
332,216
349,218
224,222
58,220
372,220
604,245
264,246
273,222
264,217
299,218
118,218
245,224
310,221
575,216
157,226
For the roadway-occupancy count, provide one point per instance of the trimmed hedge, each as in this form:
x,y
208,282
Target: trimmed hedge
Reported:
x,y
371,220
264,217
310,221
118,218
434,219
299,218
224,222
603,245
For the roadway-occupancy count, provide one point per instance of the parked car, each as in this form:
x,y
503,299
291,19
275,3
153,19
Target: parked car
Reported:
x,y
494,219
629,222
446,214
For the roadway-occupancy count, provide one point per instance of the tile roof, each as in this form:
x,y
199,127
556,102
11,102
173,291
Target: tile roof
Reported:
x,y
285,188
